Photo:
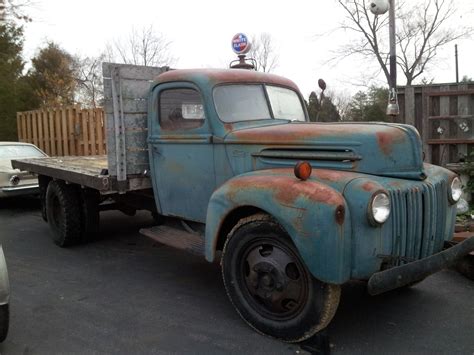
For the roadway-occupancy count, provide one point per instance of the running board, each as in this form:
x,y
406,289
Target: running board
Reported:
x,y
176,238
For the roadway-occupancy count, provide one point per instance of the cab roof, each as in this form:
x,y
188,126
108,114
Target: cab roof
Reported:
x,y
220,76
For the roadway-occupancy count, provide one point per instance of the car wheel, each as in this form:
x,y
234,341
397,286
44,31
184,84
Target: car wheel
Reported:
x,y
63,209
269,284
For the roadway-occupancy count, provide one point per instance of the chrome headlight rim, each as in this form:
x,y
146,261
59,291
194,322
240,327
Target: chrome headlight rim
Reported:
x,y
453,199
14,180
370,210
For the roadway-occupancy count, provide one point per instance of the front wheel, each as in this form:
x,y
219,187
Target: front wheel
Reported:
x,y
269,284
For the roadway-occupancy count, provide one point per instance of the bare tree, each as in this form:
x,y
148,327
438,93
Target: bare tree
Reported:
x,y
143,46
342,100
14,9
264,52
421,31
90,89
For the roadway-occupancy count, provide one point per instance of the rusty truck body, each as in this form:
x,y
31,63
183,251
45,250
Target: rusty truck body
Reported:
x,y
293,209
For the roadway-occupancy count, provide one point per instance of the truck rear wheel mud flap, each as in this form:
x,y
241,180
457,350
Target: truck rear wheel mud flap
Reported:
x,y
396,277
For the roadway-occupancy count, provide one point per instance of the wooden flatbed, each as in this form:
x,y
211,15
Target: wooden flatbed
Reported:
x,y
88,171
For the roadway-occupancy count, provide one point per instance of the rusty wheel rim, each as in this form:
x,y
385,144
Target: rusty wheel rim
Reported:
x,y
275,282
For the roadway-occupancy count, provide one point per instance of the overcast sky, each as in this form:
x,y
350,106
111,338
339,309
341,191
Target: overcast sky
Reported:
x,y
201,32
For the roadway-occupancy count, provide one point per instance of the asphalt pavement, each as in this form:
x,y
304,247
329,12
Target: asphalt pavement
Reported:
x,y
125,294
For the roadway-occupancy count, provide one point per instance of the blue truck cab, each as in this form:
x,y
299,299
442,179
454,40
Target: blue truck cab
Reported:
x,y
292,209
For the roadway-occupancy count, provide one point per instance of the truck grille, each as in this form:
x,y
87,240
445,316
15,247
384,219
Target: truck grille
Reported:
x,y
418,221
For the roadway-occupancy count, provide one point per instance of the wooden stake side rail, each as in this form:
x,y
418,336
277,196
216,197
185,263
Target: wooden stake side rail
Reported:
x,y
64,131
88,171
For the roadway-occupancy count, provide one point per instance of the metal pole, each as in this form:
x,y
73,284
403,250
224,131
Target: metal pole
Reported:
x,y
457,64
392,107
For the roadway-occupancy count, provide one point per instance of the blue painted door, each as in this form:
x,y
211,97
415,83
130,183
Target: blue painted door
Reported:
x,y
181,152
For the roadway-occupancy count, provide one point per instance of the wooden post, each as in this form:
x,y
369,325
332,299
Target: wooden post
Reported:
x,y
444,125
92,126
99,128
65,136
47,143
18,126
463,110
71,136
51,132
425,132
410,105
85,133
39,121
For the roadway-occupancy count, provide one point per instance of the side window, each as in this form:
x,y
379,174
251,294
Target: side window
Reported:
x,y
181,109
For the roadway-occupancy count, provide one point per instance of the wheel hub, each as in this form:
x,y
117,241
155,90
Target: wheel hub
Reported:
x,y
266,279
274,280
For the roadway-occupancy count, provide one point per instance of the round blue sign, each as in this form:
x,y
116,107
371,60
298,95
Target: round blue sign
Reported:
x,y
240,43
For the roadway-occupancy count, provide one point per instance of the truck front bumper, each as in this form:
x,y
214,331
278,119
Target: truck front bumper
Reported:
x,y
399,276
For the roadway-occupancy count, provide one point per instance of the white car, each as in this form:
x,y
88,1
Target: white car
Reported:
x,y
14,182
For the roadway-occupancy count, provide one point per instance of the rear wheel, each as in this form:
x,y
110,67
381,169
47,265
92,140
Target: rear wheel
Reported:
x,y
63,210
90,216
269,284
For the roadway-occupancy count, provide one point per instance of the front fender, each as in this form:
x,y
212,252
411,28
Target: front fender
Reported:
x,y
314,215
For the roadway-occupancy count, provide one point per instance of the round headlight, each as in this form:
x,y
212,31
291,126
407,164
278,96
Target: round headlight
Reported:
x,y
455,192
379,208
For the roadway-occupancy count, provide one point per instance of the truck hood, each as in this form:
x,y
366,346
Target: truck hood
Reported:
x,y
377,148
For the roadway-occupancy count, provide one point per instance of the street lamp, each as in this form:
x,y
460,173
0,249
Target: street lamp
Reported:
x,y
380,7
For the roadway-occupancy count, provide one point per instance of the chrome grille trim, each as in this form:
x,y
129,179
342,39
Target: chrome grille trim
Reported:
x,y
418,220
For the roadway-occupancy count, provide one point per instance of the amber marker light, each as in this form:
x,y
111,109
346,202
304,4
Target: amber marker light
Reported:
x,y
303,170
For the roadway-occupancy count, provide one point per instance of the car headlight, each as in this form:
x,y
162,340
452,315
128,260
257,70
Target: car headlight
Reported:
x,y
14,180
455,190
379,208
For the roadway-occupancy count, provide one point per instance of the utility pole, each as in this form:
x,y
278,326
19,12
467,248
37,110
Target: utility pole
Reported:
x,y
392,107
457,63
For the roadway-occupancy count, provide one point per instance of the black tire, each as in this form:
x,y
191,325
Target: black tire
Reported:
x,y
4,321
90,217
43,185
63,209
465,266
269,284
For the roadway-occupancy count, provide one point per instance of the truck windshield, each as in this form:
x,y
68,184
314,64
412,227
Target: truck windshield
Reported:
x,y
235,103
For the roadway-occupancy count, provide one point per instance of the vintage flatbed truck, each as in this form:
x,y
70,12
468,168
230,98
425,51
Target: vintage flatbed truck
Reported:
x,y
293,209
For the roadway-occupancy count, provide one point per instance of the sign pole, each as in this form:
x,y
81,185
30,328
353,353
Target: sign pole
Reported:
x,y
392,107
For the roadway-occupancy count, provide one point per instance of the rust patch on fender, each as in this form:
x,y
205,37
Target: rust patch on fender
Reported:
x,y
385,142
286,189
329,175
370,186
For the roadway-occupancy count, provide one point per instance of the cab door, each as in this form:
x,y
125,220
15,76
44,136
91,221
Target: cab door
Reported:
x,y
181,152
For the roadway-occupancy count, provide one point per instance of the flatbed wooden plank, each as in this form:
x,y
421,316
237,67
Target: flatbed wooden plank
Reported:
x,y
89,171
85,171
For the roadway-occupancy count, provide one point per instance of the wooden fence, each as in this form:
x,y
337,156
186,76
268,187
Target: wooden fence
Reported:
x,y
64,131
444,116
